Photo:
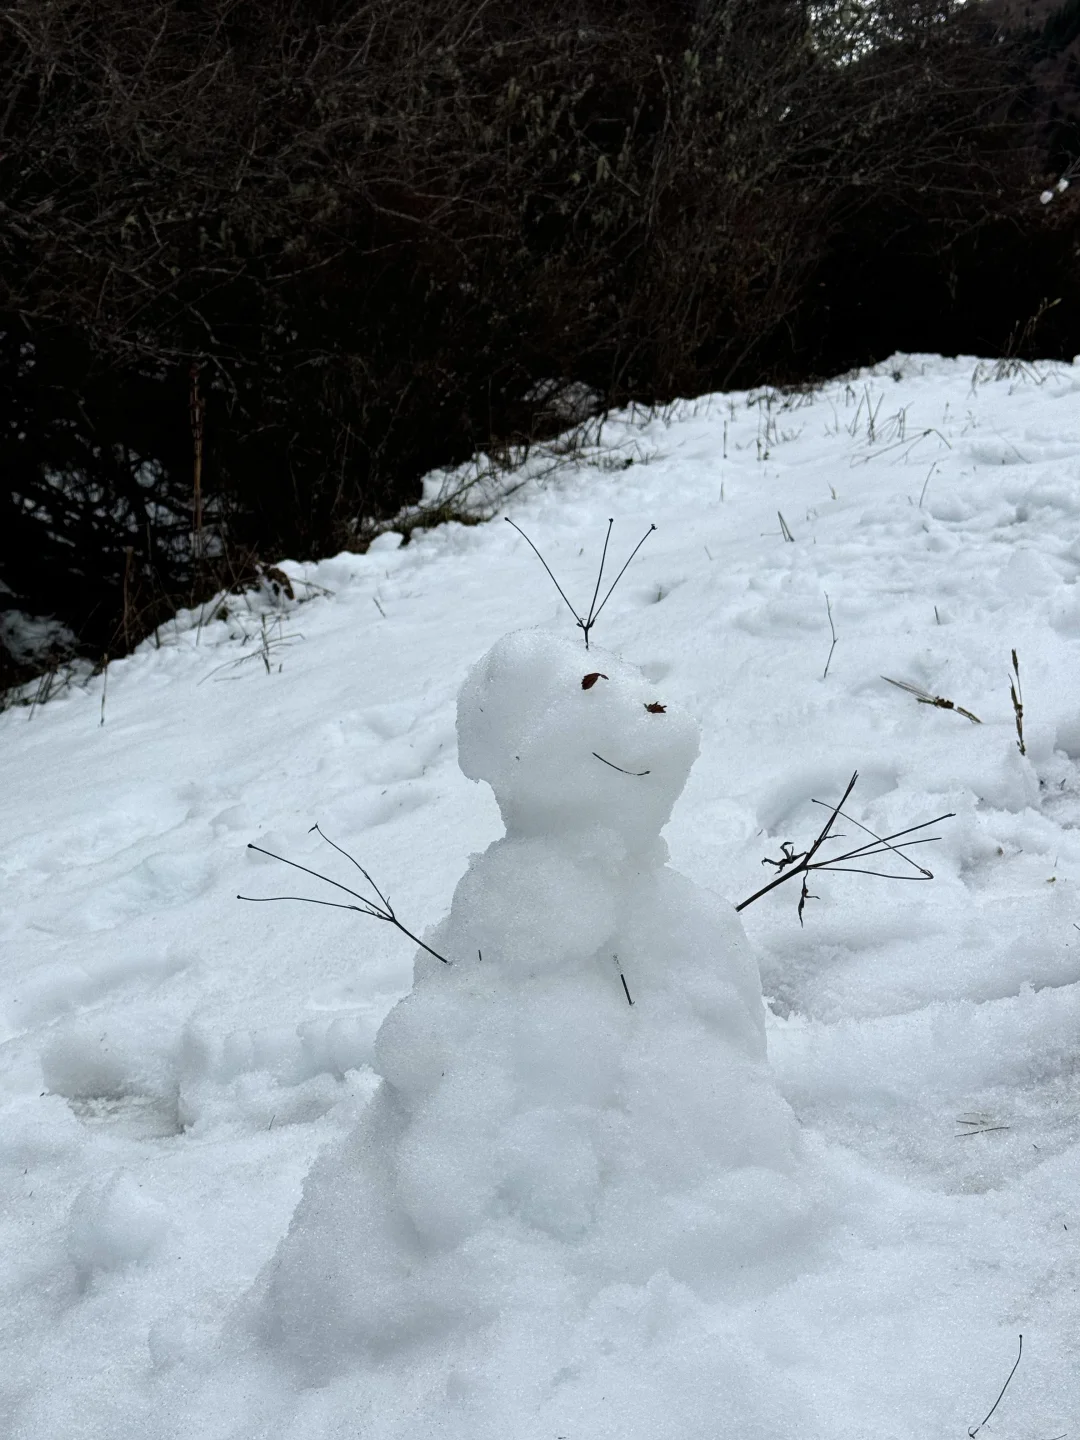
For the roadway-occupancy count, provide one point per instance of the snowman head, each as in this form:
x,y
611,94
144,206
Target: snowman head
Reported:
x,y
572,740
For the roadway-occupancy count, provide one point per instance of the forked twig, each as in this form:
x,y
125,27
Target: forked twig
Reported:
x,y
586,622
801,863
382,910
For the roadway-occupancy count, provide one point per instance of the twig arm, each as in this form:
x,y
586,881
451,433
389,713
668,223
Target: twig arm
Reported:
x,y
315,874
802,865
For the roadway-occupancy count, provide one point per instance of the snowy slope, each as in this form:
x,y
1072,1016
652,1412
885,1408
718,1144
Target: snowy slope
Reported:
x,y
173,1060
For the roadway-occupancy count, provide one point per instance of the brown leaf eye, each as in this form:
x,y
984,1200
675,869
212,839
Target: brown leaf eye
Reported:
x,y
590,680
656,708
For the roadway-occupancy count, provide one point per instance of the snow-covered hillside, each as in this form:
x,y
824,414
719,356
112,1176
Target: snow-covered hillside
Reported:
x,y
172,1060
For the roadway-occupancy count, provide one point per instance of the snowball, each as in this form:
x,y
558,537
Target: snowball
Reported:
x,y
565,752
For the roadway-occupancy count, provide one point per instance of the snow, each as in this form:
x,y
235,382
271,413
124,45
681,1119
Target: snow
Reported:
x,y
32,637
217,1220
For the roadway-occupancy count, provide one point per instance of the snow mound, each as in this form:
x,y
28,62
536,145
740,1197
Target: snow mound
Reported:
x,y
113,1224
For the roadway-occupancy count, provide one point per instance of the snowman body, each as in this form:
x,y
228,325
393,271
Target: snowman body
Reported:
x,y
580,1099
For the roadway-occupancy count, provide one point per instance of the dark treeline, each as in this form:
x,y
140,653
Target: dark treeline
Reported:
x,y
306,250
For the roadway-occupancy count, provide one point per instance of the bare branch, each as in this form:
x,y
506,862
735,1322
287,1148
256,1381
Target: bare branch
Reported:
x,y
793,863
382,911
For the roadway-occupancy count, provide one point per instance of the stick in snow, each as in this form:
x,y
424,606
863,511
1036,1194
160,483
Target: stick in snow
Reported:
x,y
586,622
975,1429
792,863
381,910
832,627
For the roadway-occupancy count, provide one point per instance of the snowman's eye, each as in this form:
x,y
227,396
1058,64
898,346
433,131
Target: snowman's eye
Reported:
x,y
590,680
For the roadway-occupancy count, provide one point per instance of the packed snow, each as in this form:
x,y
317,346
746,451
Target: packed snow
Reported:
x,y
601,1158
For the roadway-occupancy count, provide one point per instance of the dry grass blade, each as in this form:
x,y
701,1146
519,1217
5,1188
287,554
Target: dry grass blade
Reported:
x,y
926,482
1017,704
832,628
896,445
977,1124
925,698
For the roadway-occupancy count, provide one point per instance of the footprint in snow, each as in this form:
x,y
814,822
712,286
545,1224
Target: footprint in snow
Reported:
x,y
160,881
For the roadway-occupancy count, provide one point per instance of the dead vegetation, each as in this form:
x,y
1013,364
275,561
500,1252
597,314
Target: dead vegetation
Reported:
x,y
265,263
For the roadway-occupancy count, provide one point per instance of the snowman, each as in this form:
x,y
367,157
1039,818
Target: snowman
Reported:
x,y
574,1096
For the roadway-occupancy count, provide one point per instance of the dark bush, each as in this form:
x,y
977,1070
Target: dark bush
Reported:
x,y
358,240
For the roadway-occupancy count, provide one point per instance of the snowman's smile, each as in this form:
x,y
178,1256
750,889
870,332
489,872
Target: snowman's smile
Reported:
x,y
637,773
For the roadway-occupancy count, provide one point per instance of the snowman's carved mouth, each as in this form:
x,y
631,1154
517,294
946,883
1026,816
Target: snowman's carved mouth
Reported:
x,y
637,773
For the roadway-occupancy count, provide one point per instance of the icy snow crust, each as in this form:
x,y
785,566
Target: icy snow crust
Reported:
x,y
538,1140
186,1082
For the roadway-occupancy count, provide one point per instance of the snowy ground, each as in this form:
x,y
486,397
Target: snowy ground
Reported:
x,y
172,1060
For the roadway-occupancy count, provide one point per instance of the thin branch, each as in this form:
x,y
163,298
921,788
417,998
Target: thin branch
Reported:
x,y
599,575
832,627
317,874
870,851
306,899
804,861
352,860
621,573
911,829
793,863
973,1432
546,566
383,911
879,840
824,835
622,977
881,874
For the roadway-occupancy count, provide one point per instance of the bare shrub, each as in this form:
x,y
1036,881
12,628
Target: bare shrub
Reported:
x,y
382,235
